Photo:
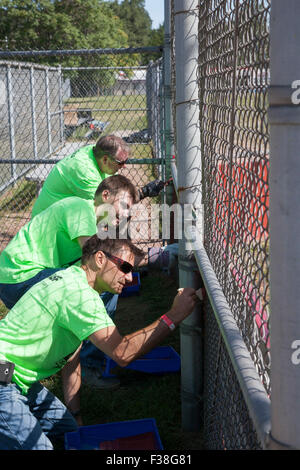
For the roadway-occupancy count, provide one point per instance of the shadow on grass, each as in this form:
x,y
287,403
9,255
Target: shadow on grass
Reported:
x,y
18,198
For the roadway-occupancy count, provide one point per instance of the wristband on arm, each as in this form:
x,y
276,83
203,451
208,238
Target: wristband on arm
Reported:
x,y
168,322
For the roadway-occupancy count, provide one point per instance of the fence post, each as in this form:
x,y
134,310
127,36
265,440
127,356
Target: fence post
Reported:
x,y
33,116
61,105
189,177
284,119
48,115
168,121
11,120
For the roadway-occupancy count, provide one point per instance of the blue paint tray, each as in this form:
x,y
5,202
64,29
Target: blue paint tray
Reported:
x,y
132,288
141,434
161,360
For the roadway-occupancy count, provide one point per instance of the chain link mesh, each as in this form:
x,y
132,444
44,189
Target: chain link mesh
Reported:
x,y
227,424
53,103
233,40
234,76
235,146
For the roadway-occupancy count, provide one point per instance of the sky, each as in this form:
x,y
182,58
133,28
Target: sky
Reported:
x,y
155,8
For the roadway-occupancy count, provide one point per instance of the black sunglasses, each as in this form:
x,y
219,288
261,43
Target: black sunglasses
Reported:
x,y
119,162
124,266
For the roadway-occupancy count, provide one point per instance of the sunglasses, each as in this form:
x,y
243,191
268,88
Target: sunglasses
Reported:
x,y
120,163
124,266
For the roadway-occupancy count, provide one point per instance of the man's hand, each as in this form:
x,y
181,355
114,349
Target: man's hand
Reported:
x,y
151,189
183,304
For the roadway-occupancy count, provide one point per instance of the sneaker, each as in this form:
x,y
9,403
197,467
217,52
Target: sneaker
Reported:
x,y
92,378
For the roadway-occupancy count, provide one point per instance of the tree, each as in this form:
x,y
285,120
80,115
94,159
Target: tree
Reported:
x,y
62,25
157,37
27,24
98,27
136,21
59,24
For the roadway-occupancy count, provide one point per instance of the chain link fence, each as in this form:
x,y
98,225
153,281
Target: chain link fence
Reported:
x,y
54,102
227,424
233,71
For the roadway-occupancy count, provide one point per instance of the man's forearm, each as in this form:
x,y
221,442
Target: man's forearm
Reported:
x,y
125,349
140,342
71,382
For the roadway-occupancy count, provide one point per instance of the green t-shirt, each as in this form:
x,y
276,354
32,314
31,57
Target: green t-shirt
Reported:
x,y
48,240
48,324
77,174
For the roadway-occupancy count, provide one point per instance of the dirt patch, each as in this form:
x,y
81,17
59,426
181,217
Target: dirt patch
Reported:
x,y
10,225
70,117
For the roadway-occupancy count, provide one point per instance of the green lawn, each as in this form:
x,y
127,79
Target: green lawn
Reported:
x,y
122,112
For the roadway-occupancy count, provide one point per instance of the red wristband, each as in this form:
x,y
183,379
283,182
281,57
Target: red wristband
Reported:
x,y
168,322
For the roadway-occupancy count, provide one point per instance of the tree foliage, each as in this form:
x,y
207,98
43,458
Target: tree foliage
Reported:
x,y
65,25
77,24
59,24
136,21
157,37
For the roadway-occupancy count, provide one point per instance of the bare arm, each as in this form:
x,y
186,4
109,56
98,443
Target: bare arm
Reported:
x,y
125,349
71,382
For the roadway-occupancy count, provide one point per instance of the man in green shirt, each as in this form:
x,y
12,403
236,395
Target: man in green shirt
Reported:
x,y
53,239
80,173
47,326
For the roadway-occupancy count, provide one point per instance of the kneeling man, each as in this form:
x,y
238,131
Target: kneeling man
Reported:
x,y
44,331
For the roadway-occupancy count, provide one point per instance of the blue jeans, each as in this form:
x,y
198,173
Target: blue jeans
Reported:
x,y
28,422
11,293
90,356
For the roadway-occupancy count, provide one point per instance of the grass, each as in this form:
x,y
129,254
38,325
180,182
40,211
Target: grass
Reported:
x,y
19,197
122,112
3,310
109,101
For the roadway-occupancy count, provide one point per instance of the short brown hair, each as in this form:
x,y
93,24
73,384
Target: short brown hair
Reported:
x,y
110,145
112,246
116,183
